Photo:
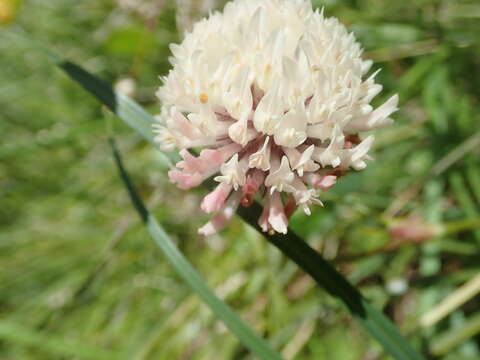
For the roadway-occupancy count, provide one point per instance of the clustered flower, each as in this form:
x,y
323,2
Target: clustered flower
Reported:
x,y
272,92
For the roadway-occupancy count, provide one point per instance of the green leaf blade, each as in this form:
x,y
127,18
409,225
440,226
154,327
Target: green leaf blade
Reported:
x,y
54,344
121,105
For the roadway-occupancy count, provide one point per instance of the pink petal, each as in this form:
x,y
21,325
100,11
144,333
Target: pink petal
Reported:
x,y
194,170
273,218
215,200
277,218
220,155
222,218
327,182
190,163
263,219
208,158
254,180
320,181
184,180
290,207
181,124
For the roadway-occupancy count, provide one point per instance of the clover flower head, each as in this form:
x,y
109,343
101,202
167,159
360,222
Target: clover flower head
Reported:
x,y
275,94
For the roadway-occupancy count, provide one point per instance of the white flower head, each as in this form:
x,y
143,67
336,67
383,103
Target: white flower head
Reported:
x,y
276,95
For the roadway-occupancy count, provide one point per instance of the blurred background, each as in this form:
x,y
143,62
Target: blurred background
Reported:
x,y
81,279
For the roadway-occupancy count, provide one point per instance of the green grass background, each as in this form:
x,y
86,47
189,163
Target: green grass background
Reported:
x,y
81,279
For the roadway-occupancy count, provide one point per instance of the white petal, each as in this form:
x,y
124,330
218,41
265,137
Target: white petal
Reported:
x,y
269,111
261,159
238,100
305,197
378,118
206,121
277,218
233,173
301,162
355,158
332,154
240,133
292,130
281,178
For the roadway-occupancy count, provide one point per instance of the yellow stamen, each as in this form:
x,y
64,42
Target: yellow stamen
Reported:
x,y
203,98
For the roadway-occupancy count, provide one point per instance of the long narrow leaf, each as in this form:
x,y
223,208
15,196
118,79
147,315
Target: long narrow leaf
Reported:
x,y
379,326
14,333
121,105
190,275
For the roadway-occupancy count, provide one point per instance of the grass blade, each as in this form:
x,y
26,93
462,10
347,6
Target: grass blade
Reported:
x,y
465,201
326,276
452,338
125,108
121,105
452,302
243,332
17,334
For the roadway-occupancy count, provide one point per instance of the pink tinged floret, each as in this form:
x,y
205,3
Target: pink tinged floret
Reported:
x,y
221,155
290,206
326,183
216,199
273,218
221,220
194,170
263,219
253,183
180,124
320,181
185,181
